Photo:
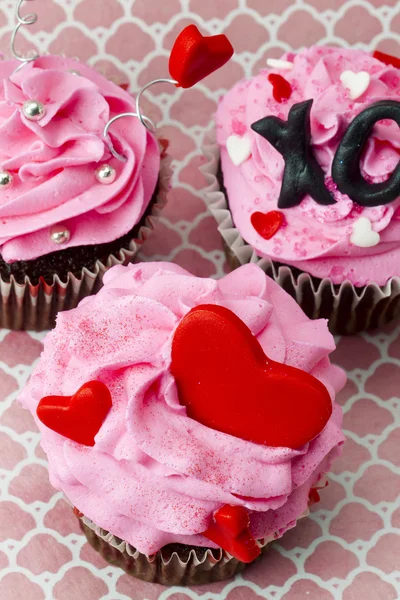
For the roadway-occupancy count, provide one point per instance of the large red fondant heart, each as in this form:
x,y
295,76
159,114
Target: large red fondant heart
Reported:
x,y
194,56
230,530
227,383
267,224
78,417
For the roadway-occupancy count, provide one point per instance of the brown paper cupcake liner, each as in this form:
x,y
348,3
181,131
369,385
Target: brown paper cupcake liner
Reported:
x,y
348,309
179,566
175,564
32,306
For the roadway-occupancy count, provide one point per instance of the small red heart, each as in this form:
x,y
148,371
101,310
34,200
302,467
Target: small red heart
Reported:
x,y
230,530
281,89
387,59
267,224
78,417
194,56
227,383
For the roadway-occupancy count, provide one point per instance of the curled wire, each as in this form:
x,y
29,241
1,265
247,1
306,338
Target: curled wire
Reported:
x,y
148,123
29,19
139,96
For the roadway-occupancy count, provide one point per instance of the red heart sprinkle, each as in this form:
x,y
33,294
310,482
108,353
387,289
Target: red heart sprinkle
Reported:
x,y
387,59
267,224
194,56
230,530
78,417
227,383
282,90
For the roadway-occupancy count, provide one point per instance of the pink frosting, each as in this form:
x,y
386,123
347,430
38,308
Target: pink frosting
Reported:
x,y
155,476
315,238
53,161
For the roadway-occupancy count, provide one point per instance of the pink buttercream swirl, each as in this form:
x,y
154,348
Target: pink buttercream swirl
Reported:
x,y
53,161
315,238
155,476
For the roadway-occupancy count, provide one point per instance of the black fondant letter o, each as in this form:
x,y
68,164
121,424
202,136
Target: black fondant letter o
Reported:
x,y
346,171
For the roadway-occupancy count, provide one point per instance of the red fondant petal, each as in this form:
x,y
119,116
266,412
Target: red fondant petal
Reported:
x,y
194,56
230,530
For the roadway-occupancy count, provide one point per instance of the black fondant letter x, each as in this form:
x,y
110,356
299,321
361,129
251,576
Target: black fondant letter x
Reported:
x,y
292,138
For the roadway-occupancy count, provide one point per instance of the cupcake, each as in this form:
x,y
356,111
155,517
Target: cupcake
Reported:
x,y
78,178
189,422
69,208
305,181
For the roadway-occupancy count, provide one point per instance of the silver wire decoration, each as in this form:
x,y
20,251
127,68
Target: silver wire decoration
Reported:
x,y
29,19
148,123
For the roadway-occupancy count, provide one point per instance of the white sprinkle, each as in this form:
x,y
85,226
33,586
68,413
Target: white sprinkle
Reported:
x,y
276,63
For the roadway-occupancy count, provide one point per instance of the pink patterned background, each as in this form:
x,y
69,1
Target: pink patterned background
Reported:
x,y
349,547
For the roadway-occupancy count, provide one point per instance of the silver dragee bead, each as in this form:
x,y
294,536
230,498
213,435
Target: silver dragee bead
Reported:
x,y
33,110
6,179
59,234
105,174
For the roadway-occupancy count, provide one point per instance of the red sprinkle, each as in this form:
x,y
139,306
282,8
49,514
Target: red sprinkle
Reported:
x,y
282,90
77,512
194,56
387,59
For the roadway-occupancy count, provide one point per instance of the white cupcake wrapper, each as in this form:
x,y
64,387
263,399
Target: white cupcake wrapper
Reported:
x,y
34,307
348,309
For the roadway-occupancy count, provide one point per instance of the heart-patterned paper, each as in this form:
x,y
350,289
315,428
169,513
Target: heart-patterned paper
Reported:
x,y
239,148
78,417
227,383
363,235
267,224
194,56
230,530
356,83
